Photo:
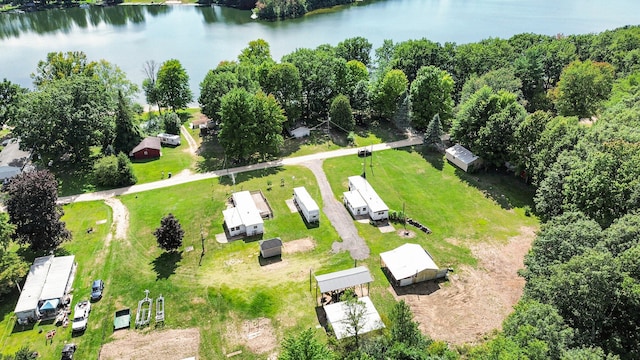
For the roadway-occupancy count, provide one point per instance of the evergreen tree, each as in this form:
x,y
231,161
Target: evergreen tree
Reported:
x,y
128,134
341,113
432,136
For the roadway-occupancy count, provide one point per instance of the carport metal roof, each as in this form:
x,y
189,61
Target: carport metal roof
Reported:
x,y
343,279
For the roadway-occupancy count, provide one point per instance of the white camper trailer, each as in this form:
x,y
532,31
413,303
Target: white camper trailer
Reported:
x,y
169,139
307,205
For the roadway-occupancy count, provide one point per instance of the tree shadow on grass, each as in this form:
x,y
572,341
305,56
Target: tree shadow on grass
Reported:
x,y
246,176
166,264
506,189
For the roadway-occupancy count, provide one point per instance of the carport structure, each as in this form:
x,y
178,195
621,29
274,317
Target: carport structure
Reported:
x,y
344,279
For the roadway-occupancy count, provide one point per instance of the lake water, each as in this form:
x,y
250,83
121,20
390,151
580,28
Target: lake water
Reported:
x,y
200,37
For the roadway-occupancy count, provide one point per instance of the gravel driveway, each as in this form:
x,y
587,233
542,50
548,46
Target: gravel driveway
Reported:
x,y
339,216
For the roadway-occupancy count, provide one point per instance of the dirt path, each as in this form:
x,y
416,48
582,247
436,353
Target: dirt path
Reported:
x,y
165,344
193,146
339,216
476,300
120,218
177,180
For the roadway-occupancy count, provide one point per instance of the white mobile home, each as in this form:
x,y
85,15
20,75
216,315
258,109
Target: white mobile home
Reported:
x,y
462,158
355,203
377,209
244,218
307,205
48,281
169,139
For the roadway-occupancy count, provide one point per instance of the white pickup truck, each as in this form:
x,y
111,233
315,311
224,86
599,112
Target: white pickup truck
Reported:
x,y
81,316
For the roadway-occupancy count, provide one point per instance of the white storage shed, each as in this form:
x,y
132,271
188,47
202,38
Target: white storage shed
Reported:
x,y
244,218
338,317
462,158
306,204
409,264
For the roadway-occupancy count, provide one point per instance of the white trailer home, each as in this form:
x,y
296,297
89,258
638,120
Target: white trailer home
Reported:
x,y
244,218
169,139
306,204
377,209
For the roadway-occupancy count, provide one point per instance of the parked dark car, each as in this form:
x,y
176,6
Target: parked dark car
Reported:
x,y
364,152
67,351
96,290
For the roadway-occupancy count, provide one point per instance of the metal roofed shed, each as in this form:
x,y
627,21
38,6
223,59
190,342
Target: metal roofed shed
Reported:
x,y
270,247
409,264
59,278
337,316
343,279
462,158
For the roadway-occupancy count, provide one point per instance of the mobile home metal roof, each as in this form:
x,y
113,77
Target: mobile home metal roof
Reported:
x,y
32,288
407,260
369,195
246,208
58,277
303,195
343,279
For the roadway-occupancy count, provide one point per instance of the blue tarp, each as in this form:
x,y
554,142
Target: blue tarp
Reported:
x,y
50,304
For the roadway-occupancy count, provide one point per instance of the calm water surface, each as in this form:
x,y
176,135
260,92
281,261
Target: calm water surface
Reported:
x,y
200,37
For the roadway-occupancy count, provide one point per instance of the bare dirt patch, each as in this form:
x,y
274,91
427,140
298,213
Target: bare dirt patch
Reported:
x,y
257,335
120,217
300,245
476,300
165,344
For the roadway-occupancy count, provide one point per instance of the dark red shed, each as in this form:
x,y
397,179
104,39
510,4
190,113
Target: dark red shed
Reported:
x,y
148,148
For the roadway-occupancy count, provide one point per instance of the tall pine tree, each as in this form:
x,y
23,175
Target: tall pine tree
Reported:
x,y
128,134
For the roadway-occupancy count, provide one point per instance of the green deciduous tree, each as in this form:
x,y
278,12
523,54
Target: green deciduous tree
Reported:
x,y
404,329
409,56
12,267
283,82
430,95
487,122
341,113
60,65
215,85
500,79
169,235
33,209
355,48
583,86
623,234
150,83
10,94
389,90
256,53
355,312
173,85
112,171
533,322
251,124
171,123
526,139
65,118
304,347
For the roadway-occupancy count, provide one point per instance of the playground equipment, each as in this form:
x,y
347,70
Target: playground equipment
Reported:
x,y
144,310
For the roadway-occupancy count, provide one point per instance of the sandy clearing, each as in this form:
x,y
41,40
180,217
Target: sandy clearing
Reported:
x,y
152,345
476,300
120,217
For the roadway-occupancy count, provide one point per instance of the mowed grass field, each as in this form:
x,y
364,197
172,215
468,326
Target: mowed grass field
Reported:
x,y
227,285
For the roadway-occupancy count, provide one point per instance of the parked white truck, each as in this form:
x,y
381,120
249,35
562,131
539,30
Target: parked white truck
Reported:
x,y
81,316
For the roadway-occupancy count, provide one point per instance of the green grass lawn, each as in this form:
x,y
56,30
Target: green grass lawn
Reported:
x,y
227,285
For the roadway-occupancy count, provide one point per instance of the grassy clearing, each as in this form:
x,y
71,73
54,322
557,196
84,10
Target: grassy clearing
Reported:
x,y
217,292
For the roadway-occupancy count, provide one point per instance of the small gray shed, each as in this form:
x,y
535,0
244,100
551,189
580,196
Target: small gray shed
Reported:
x,y
271,247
